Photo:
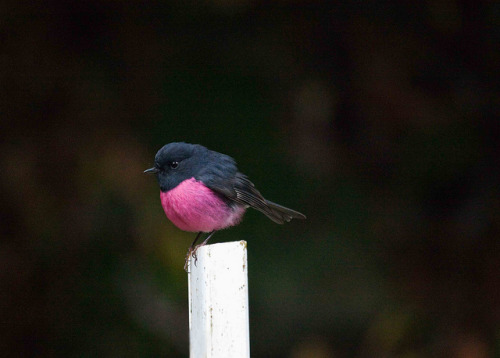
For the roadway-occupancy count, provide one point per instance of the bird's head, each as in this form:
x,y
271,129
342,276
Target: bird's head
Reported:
x,y
176,162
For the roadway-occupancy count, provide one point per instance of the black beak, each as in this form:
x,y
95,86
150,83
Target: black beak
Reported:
x,y
151,171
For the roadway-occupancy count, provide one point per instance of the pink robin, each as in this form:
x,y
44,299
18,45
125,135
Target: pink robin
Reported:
x,y
203,191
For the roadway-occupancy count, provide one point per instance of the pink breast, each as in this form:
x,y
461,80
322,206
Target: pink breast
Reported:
x,y
191,206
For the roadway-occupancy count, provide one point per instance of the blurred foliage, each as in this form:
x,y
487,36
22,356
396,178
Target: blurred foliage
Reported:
x,y
377,119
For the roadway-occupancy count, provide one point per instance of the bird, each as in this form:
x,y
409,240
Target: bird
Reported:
x,y
202,191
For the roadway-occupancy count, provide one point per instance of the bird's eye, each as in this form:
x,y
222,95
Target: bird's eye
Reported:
x,y
174,165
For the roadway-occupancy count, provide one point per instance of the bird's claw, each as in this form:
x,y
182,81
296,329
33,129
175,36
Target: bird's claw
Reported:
x,y
188,257
191,254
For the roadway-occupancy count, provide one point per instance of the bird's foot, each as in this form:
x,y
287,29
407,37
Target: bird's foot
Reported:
x,y
188,257
192,254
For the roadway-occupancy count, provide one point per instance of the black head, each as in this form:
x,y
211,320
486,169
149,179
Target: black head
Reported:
x,y
176,162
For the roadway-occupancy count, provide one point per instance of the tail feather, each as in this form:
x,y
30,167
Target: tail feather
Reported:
x,y
280,214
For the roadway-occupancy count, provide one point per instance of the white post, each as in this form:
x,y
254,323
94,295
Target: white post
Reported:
x,y
218,302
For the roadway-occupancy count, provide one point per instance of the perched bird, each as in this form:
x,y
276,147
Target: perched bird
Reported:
x,y
203,191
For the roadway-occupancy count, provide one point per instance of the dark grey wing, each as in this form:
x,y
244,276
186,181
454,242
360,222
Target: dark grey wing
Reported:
x,y
222,176
242,191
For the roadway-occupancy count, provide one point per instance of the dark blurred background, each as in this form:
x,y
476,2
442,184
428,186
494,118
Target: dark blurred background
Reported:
x,y
378,120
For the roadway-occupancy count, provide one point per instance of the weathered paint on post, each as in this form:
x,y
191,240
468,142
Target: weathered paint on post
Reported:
x,y
218,302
